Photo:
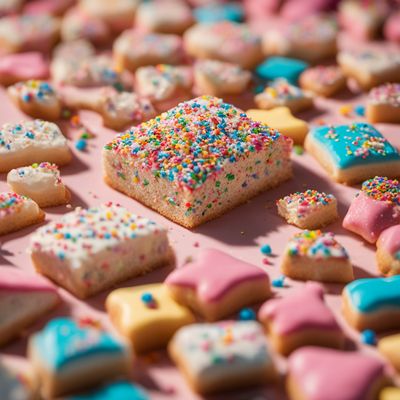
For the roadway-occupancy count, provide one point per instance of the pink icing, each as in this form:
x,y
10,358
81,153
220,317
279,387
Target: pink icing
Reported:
x,y
305,309
368,217
296,10
14,279
392,28
326,374
47,6
213,274
25,66
390,239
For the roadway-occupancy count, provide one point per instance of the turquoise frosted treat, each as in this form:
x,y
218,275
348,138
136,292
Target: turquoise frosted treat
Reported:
x,y
63,341
219,12
374,294
281,67
355,144
121,390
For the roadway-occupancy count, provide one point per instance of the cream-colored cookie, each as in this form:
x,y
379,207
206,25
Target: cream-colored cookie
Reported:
x,y
383,104
323,80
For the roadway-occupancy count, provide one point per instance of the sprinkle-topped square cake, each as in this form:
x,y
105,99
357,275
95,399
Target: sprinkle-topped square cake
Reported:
x,y
197,160
352,153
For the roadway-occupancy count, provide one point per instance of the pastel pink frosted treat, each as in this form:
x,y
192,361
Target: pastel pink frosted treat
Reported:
x,y
317,256
388,251
28,33
216,285
308,210
324,374
296,10
383,103
392,27
323,80
222,356
24,298
134,49
301,319
375,208
18,212
21,67
89,250
261,8
224,41
40,182
51,7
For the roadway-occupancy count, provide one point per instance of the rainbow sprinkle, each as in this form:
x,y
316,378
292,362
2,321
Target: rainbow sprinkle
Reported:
x,y
382,189
10,203
34,90
389,93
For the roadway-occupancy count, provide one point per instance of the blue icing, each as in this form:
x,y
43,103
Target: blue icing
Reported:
x,y
116,391
372,294
355,144
63,341
281,67
219,12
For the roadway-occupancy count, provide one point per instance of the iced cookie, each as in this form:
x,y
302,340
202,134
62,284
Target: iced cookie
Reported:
x,y
363,20
21,67
78,49
51,7
313,323
316,256
370,67
134,49
281,119
323,80
118,390
317,373
123,109
197,171
38,99
147,316
388,251
293,10
32,141
373,303
383,104
389,347
171,16
18,212
24,298
308,210
77,24
281,93
67,358
224,41
165,85
375,208
352,153
216,285
20,33
392,27
40,182
89,250
312,39
218,78
222,356
390,393
219,11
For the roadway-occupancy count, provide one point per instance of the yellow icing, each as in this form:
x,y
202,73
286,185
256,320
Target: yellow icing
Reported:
x,y
146,327
282,119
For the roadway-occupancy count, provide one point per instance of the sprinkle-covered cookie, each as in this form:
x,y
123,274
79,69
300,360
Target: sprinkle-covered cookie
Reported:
x,y
375,208
383,103
323,80
352,153
313,255
222,356
89,250
31,142
388,251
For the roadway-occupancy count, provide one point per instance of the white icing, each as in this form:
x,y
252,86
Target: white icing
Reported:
x,y
371,61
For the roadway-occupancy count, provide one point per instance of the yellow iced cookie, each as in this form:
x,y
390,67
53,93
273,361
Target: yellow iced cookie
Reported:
x,y
146,315
390,393
389,347
282,119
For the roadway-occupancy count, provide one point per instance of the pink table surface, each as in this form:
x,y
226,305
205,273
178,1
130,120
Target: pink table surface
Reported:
x,y
240,232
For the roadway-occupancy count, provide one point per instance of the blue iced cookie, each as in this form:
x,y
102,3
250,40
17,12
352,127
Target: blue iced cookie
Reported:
x,y
281,67
219,12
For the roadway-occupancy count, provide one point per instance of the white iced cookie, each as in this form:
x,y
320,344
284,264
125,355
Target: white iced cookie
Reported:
x,y
31,142
17,212
41,182
78,49
38,99
222,356
216,78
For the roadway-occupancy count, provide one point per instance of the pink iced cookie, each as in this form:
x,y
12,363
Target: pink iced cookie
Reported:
x,y
217,285
261,8
50,7
326,374
388,251
392,28
21,67
23,299
375,208
312,324
296,10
